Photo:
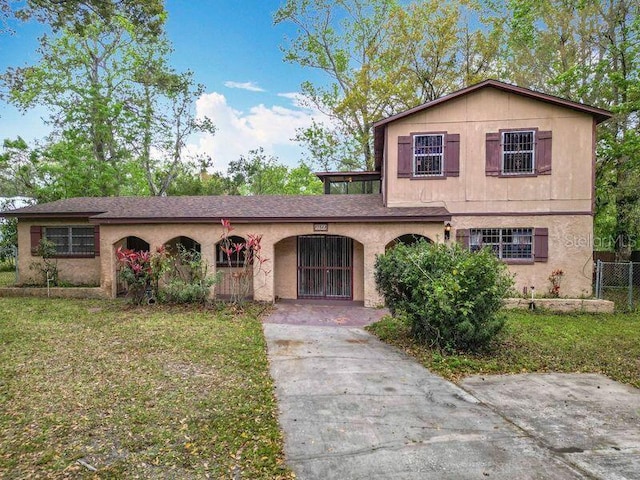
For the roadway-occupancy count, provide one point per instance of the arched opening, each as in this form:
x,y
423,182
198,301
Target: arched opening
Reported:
x,y
236,275
322,267
182,243
185,256
129,243
407,239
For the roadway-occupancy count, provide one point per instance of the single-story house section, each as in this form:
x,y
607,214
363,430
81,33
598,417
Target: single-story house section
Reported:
x,y
320,247
492,165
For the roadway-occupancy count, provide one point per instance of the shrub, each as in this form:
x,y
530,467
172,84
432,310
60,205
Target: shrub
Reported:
x,y
47,266
186,279
451,296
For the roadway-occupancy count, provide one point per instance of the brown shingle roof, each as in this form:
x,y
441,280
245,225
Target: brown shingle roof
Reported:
x,y
239,209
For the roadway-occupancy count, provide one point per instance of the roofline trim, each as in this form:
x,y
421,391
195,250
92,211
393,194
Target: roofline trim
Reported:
x,y
254,220
600,114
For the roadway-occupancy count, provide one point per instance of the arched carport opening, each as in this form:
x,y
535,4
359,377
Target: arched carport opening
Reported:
x,y
134,243
230,262
407,239
321,267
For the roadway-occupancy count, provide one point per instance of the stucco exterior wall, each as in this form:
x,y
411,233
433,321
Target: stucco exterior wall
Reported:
x,y
77,271
568,188
278,277
570,249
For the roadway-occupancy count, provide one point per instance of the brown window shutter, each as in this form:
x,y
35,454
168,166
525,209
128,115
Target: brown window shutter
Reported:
x,y
96,240
405,156
492,167
543,153
452,155
462,237
36,236
541,244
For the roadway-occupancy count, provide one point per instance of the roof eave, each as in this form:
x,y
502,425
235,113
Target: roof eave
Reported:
x,y
262,220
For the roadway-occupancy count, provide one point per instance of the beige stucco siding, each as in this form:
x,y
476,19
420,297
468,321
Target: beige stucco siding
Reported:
x,y
568,188
278,276
77,271
570,249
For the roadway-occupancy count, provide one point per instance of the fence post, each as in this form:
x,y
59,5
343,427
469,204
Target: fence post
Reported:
x,y
598,278
15,260
630,301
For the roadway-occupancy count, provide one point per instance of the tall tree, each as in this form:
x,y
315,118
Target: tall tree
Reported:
x,y
260,174
587,51
61,14
350,42
380,57
115,105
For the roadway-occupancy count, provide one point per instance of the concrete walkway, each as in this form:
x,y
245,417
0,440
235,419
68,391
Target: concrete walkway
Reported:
x,y
352,407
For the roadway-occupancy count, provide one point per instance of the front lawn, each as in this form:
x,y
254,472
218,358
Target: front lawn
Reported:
x,y
538,342
96,388
7,279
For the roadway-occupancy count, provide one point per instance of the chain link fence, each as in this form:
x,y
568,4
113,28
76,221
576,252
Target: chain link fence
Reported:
x,y
9,261
618,282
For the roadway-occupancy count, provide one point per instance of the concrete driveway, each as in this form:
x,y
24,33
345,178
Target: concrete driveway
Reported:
x,y
352,407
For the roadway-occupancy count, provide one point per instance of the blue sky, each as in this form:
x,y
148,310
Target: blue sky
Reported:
x,y
233,48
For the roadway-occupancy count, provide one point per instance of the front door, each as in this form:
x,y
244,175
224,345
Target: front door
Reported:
x,y
325,267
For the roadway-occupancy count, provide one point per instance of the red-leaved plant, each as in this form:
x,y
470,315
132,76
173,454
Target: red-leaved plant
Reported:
x,y
141,271
250,264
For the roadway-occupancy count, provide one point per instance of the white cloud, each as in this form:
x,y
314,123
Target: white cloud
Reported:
x,y
270,127
250,86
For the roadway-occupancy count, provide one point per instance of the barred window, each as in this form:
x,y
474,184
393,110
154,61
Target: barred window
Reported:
x,y
72,240
506,243
428,154
518,152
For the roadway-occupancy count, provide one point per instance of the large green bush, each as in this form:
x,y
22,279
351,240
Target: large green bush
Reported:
x,y
451,296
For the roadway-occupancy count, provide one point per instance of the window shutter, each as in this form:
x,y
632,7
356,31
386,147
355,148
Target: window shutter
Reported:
x,y
541,244
462,237
96,240
405,156
36,236
492,166
543,153
452,155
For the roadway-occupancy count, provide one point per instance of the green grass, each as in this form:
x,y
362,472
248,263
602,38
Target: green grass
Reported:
x,y
538,342
152,392
7,279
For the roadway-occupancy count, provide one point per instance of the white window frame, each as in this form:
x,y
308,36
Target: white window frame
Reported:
x,y
505,152
500,246
439,154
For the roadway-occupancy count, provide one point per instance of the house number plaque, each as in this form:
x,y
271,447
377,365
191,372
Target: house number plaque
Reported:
x,y
320,227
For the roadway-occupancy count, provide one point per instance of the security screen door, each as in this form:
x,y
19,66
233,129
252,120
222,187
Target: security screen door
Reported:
x,y
325,267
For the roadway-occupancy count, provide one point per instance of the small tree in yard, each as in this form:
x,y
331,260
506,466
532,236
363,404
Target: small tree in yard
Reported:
x,y
47,268
451,296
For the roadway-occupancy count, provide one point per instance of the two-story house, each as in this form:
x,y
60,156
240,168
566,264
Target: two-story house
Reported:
x,y
490,165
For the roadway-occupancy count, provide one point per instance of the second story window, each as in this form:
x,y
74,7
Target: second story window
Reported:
x,y
428,154
518,152
514,152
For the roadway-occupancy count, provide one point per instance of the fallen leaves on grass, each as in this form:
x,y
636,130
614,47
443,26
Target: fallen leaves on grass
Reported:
x,y
147,392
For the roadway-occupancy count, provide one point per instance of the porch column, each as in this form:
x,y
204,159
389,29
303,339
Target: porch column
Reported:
x,y
208,253
263,275
371,296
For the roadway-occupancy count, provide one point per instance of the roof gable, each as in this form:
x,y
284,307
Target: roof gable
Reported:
x,y
599,115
